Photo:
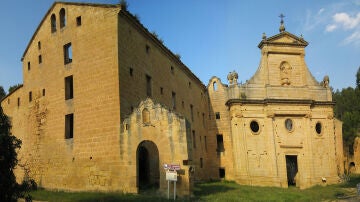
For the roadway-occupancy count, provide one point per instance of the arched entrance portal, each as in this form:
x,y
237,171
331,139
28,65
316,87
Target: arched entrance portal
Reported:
x,y
148,173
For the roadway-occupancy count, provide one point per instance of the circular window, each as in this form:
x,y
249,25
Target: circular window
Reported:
x,y
254,126
318,128
289,125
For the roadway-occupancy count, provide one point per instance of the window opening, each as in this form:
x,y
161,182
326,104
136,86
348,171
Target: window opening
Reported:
x,y
146,116
215,87
161,90
67,53
78,21
201,162
194,139
39,45
40,59
220,143
28,66
192,112
205,142
173,100
62,18
254,126
131,71
217,115
172,70
289,125
222,172
148,85
30,96
69,88
43,92
18,102
53,23
318,128
69,126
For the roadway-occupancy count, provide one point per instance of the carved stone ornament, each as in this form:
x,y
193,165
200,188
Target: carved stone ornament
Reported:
x,y
232,77
285,73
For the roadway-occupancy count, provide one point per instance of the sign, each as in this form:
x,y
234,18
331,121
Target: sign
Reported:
x,y
172,166
171,176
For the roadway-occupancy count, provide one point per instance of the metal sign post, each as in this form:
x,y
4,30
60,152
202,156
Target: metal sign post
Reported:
x,y
171,175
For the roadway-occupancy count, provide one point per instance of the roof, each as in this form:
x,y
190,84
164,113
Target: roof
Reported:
x,y
292,40
65,3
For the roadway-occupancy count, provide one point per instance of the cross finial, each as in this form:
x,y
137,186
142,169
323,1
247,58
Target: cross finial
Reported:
x,y
282,17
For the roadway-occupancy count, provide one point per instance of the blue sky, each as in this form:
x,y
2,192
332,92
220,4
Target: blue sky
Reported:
x,y
215,37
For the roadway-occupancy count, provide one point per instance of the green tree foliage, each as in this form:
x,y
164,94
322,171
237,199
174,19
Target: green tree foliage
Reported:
x,y
2,92
8,160
12,88
347,109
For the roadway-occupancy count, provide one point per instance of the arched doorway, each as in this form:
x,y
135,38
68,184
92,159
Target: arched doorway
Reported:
x,y
147,161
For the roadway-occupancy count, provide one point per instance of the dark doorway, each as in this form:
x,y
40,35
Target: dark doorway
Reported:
x,y
148,173
291,169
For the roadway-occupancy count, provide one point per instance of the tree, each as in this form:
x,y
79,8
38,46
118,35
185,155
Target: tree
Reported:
x,y
8,160
358,79
13,87
2,92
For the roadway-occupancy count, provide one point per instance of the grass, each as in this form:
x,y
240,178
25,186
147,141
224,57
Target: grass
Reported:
x,y
217,191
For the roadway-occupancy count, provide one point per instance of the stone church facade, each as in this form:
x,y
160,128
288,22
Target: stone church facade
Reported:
x,y
104,105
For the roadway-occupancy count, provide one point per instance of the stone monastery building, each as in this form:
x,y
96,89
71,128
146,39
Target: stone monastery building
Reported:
x,y
104,105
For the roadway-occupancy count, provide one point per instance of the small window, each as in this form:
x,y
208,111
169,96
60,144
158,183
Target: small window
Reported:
x,y
161,90
43,92
220,143
148,86
62,18
183,104
222,172
78,21
67,53
69,88
40,59
69,126
217,115
53,23
18,102
203,119
173,100
131,71
28,66
39,45
192,112
194,138
205,142
172,69
215,86
289,125
189,84
146,116
318,128
30,96
201,162
254,126
8,101
147,48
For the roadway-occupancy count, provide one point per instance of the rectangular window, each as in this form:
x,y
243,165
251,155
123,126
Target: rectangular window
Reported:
x,y
18,102
43,91
78,21
30,96
203,119
173,100
222,172
69,88
192,112
28,66
201,162
69,126
205,142
217,115
161,90
220,143
131,71
40,59
172,69
148,85
194,139
67,53
39,45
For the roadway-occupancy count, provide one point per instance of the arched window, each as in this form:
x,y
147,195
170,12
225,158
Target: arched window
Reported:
x,y
215,86
146,116
62,18
53,23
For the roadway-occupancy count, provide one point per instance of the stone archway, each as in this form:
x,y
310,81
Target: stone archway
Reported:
x,y
147,161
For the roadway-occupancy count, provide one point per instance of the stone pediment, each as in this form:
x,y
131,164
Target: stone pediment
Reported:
x,y
283,39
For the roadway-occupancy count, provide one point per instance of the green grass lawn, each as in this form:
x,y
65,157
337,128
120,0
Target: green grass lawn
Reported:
x,y
217,191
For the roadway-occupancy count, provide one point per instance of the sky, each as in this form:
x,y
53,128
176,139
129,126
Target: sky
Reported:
x,y
215,37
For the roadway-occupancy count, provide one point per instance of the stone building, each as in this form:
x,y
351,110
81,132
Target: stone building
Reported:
x,y
104,105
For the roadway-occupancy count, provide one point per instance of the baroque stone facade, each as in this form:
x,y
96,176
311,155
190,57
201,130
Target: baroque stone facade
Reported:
x,y
104,105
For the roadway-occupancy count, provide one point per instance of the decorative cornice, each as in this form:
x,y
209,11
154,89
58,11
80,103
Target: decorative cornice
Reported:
x,y
278,101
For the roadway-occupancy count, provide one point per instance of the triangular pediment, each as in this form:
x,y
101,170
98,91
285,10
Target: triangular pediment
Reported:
x,y
285,39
